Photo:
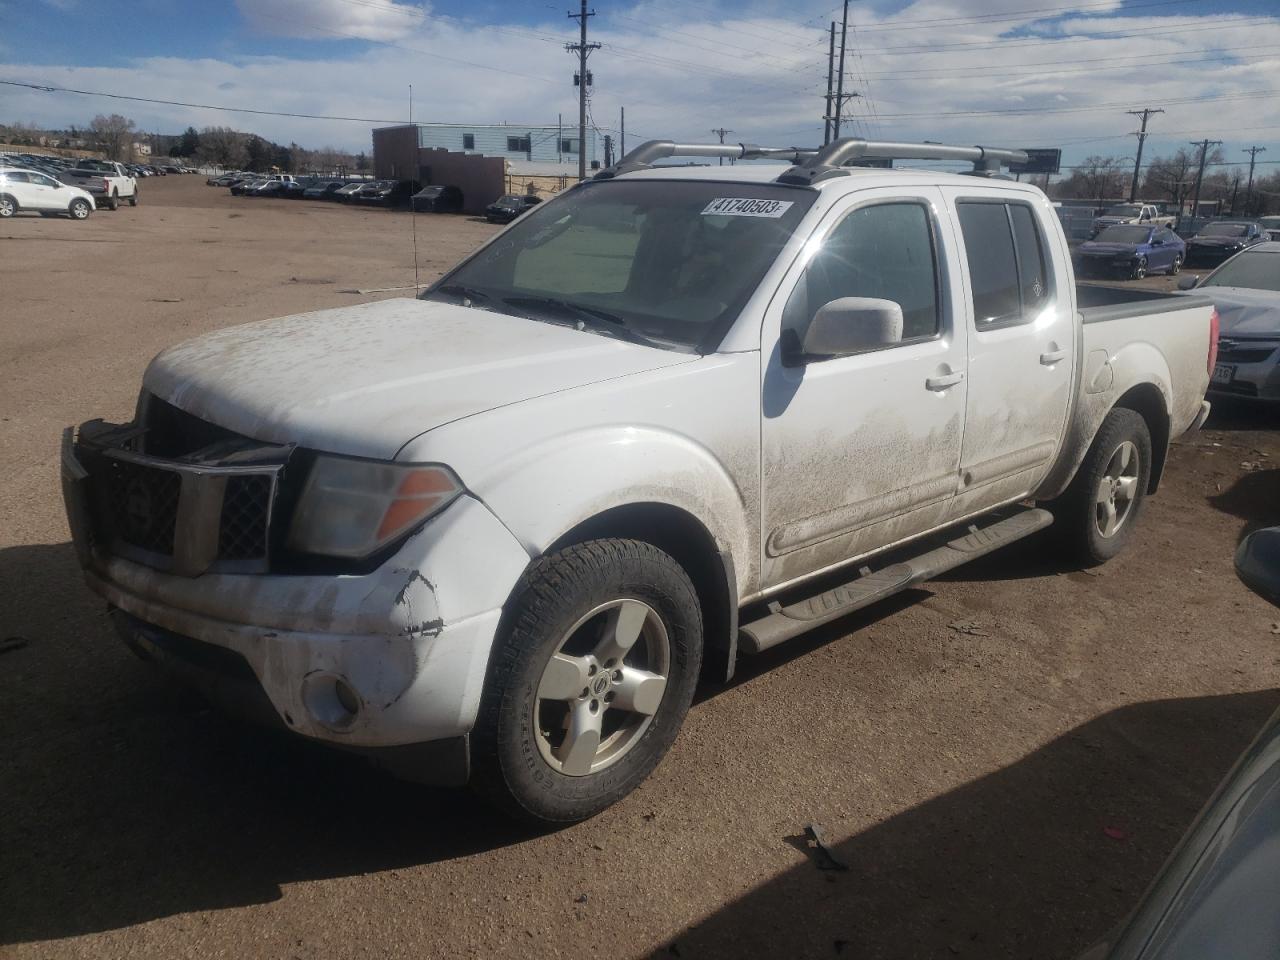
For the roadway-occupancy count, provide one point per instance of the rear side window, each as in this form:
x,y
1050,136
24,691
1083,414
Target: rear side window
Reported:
x,y
1007,266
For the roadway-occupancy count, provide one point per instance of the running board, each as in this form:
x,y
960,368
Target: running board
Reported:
x,y
784,623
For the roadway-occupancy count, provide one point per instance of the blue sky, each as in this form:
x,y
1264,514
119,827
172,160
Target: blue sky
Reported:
x,y
1022,72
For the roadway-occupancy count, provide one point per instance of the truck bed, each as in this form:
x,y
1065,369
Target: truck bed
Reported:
x,y
1099,302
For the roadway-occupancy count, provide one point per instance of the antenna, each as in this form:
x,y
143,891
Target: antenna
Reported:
x,y
413,207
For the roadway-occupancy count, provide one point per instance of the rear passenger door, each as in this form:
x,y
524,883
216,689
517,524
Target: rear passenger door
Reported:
x,y
1021,344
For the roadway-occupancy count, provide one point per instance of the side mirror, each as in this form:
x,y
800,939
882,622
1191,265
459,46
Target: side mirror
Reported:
x,y
1258,563
851,325
1188,282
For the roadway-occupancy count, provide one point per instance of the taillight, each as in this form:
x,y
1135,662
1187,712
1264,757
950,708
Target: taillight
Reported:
x,y
1213,339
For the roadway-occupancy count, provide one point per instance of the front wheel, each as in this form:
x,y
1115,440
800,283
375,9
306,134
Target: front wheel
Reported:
x,y
589,682
1096,514
1139,269
133,199
79,209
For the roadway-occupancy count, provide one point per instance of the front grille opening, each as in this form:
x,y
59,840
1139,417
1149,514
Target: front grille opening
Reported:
x,y
246,510
142,504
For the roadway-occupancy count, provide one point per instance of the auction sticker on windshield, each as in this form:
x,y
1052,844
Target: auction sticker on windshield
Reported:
x,y
746,207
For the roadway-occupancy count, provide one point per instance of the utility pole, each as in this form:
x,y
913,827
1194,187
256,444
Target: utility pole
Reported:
x,y
583,50
608,150
1253,157
721,131
1204,146
1145,113
559,138
831,78
622,134
844,30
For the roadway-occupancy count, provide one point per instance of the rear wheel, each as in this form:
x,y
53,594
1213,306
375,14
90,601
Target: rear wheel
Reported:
x,y
79,209
8,207
1096,515
590,683
1176,267
113,202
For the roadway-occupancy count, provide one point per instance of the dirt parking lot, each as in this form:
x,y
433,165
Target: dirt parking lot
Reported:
x,y
1003,758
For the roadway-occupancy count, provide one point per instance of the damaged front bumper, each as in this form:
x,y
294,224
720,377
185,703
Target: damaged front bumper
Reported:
x,y
383,659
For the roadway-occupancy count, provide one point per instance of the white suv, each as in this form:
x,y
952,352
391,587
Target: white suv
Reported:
x,y
31,190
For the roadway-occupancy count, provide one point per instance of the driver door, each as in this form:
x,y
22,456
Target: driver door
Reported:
x,y
861,451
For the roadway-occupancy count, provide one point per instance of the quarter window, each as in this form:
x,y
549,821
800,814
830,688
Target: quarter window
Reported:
x,y
468,141
885,251
1007,267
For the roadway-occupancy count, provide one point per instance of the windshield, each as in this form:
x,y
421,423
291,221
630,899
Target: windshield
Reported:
x,y
671,261
1124,210
1252,269
1223,230
508,199
1123,234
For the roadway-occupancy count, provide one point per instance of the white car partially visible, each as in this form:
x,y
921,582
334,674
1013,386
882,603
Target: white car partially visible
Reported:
x,y
32,190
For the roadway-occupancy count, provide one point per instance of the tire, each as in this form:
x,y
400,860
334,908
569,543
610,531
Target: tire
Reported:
x,y
557,633
133,198
8,207
1139,269
1176,267
79,209
1096,500
113,202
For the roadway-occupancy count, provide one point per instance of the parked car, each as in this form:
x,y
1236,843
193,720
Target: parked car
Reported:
x,y
391,193
1271,225
438,199
1133,250
108,181
509,206
1140,213
347,193
267,188
494,533
1246,291
323,190
241,187
1221,239
32,190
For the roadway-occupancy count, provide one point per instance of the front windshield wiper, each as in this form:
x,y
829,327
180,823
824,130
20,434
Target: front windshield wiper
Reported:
x,y
602,320
467,294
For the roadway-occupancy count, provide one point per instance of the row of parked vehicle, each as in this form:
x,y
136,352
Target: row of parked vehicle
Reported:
x,y
1138,248
51,186
400,194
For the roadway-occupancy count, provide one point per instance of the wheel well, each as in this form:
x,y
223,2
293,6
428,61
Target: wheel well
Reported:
x,y
684,537
1147,401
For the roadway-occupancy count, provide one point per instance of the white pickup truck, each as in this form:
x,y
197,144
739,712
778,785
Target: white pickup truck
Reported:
x,y
108,181
1145,213
495,533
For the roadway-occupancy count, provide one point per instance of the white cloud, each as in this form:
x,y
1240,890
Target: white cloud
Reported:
x,y
321,19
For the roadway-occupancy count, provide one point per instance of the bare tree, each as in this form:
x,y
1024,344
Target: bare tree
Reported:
x,y
1175,176
222,146
113,135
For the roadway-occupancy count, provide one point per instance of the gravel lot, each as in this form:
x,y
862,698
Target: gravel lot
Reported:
x,y
1003,759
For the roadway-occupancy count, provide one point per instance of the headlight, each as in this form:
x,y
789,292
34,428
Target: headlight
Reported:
x,y
352,508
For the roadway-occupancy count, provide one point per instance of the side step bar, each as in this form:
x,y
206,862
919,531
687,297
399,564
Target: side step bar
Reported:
x,y
784,623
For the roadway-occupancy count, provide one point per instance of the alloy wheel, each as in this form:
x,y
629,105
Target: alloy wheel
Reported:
x,y
1117,490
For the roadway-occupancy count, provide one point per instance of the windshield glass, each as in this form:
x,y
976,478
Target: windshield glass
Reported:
x,y
1124,234
1124,210
508,199
1253,269
664,260
1223,230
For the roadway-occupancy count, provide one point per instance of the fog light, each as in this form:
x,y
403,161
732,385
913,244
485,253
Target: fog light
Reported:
x,y
331,700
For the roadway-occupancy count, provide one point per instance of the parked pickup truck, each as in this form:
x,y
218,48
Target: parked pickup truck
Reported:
x,y
495,533
1144,213
108,181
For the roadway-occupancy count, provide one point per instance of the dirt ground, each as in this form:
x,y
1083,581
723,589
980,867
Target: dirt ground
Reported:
x,y
1003,759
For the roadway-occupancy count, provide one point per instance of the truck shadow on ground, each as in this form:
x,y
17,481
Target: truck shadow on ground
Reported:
x,y
1254,498
1039,859
122,802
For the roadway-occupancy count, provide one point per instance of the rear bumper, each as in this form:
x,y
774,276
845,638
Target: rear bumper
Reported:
x,y
408,643
1251,381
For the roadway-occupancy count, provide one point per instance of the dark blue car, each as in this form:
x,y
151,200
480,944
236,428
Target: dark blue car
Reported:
x,y
1133,250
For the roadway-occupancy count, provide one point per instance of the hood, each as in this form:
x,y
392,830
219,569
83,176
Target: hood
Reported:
x,y
364,380
1108,247
1244,312
1114,219
1217,241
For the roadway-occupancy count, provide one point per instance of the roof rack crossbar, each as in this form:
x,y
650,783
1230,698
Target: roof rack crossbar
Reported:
x,y
830,161
651,151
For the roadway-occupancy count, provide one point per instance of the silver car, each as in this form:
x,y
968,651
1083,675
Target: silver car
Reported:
x,y
1246,291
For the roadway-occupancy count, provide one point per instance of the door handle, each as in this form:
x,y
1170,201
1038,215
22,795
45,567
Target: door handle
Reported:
x,y
1052,357
944,381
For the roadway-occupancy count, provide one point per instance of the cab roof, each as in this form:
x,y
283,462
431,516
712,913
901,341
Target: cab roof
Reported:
x,y
764,173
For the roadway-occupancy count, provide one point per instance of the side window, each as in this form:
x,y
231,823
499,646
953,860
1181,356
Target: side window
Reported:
x,y
17,176
468,141
885,251
1007,268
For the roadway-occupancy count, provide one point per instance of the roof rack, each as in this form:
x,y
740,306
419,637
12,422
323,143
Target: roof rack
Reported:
x,y
648,153
830,161
813,164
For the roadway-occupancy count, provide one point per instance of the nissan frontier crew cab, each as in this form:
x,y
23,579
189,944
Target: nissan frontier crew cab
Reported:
x,y
494,534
